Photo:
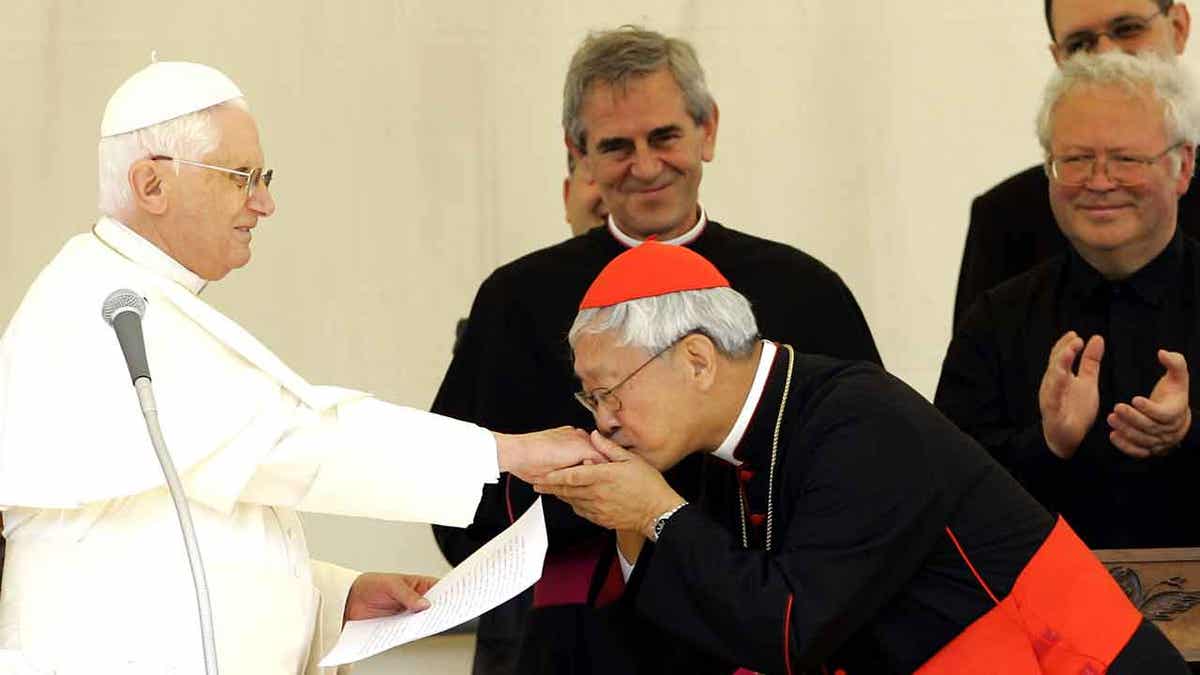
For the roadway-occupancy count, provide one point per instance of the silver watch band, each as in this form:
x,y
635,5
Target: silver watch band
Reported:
x,y
661,522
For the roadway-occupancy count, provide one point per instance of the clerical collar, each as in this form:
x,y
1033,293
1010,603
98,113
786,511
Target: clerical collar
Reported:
x,y
117,236
730,444
683,239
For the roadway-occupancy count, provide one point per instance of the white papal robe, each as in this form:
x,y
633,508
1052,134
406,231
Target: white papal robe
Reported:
x,y
96,578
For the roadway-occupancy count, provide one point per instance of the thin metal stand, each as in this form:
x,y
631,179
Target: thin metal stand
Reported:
x,y
150,410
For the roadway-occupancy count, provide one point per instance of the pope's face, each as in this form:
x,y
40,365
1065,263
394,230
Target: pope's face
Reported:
x,y
646,153
208,225
644,414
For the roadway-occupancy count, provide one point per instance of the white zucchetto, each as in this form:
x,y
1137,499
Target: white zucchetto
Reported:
x,y
163,91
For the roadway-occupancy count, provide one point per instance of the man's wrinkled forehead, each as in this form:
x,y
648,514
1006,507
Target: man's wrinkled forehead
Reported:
x,y
633,93
1092,108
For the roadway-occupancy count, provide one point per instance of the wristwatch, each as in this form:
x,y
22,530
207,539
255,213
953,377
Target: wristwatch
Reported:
x,y
661,522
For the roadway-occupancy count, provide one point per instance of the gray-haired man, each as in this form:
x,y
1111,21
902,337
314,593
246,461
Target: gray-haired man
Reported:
x,y
1011,227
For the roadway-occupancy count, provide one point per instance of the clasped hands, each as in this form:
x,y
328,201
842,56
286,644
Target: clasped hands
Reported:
x,y
1070,402
617,491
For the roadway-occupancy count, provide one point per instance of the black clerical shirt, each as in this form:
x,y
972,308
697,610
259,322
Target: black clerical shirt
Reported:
x,y
994,367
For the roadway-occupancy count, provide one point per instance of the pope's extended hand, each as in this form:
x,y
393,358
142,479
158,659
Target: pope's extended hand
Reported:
x,y
531,456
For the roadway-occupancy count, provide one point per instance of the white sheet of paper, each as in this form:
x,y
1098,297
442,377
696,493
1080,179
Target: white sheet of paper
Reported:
x,y
499,570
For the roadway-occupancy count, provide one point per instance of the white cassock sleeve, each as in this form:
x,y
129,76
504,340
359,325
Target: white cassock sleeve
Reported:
x,y
373,459
333,583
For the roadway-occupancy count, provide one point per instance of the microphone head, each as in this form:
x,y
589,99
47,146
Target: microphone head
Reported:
x,y
122,300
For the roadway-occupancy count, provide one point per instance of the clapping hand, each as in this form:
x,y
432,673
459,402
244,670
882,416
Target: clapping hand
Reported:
x,y
1152,426
1069,402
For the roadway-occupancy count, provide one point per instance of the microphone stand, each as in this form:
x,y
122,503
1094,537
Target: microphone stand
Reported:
x,y
123,310
145,396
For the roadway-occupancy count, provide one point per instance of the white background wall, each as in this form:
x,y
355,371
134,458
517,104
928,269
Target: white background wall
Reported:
x,y
417,147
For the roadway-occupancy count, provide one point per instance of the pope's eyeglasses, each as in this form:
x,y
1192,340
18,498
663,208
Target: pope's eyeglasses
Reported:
x,y
252,177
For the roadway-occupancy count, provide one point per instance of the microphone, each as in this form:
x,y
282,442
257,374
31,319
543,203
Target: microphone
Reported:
x,y
123,310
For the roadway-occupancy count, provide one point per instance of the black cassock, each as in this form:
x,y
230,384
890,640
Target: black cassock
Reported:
x,y
512,372
994,367
860,573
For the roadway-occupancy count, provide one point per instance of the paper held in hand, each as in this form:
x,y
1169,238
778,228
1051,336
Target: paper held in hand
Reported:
x,y
499,570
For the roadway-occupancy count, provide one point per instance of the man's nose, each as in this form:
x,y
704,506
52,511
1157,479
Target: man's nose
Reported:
x,y
646,165
1099,181
1105,44
262,201
606,421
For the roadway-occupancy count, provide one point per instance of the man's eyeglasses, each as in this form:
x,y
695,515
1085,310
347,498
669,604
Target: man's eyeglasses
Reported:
x,y
251,177
1124,170
592,400
1123,29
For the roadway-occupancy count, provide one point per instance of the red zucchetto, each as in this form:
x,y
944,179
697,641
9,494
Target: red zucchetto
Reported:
x,y
651,269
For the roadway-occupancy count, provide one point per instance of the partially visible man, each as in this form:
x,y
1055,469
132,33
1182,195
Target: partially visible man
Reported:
x,y
1011,227
862,530
96,579
640,120
581,199
1075,374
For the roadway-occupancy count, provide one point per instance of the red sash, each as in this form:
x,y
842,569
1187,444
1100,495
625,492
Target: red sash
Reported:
x,y
1065,616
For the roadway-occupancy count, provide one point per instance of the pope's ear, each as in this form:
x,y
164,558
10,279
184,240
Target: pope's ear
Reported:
x,y
149,193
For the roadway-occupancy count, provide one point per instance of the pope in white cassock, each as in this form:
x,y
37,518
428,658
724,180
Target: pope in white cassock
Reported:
x,y
96,578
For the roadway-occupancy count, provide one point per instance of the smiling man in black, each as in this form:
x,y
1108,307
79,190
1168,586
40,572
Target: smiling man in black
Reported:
x,y
1075,375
